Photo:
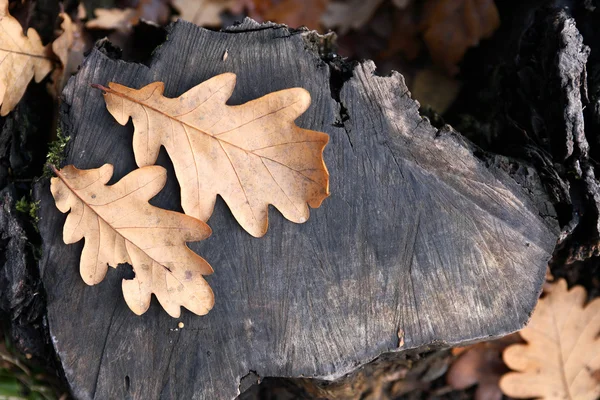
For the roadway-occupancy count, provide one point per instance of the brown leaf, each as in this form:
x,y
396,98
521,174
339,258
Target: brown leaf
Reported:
x,y
252,155
63,43
203,12
68,47
21,59
434,89
562,353
405,38
114,18
120,226
293,13
154,10
452,26
352,14
124,19
480,364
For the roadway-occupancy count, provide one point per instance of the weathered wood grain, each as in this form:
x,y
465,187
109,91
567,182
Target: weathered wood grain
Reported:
x,y
418,236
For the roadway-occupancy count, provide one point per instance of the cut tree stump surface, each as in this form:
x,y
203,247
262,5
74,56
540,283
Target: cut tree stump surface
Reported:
x,y
419,236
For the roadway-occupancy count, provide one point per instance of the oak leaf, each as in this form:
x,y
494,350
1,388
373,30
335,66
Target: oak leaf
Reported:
x,y
203,12
114,18
68,47
252,155
21,59
352,14
480,364
452,26
64,42
293,13
124,19
561,358
120,226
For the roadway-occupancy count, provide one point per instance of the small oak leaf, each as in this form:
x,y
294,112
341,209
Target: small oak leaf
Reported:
x,y
252,155
114,18
452,26
349,15
562,354
120,226
68,47
63,43
480,364
290,12
22,57
203,12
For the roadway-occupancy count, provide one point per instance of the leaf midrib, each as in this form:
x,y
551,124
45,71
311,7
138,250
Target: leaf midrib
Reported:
x,y
122,95
563,374
74,191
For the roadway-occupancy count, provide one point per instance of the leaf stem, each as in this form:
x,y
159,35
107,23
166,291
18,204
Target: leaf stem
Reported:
x,y
98,86
52,168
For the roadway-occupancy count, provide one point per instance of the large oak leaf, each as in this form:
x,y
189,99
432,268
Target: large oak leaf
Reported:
x,y
252,155
21,59
561,359
120,226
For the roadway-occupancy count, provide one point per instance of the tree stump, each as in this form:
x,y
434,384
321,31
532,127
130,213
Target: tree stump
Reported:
x,y
424,242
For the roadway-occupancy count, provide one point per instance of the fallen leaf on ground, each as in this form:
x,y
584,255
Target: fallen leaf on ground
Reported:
x,y
349,15
293,13
452,26
120,226
203,12
157,11
480,364
124,19
63,43
21,59
114,18
68,47
252,155
405,38
561,359
433,88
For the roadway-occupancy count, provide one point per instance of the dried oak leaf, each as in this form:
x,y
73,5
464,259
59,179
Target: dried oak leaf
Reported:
x,y
63,43
114,18
124,19
561,359
452,26
252,155
293,13
480,364
21,59
68,47
352,14
120,226
203,12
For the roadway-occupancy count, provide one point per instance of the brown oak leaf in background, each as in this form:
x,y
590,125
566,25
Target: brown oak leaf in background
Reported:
x,y
293,13
480,364
68,47
120,226
21,59
405,38
561,359
124,19
114,18
252,155
352,14
203,12
450,27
